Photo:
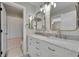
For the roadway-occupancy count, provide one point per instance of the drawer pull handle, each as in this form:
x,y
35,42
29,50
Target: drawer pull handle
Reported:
x,y
37,42
37,54
51,49
30,39
30,43
37,48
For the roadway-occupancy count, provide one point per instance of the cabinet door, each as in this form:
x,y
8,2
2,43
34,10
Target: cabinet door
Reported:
x,y
44,49
30,47
33,47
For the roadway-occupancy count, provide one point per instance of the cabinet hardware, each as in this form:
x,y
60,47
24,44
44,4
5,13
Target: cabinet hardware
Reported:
x,y
37,54
37,48
51,49
30,39
30,43
0,30
1,53
0,9
78,55
37,42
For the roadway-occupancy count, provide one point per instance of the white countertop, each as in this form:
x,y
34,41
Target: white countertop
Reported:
x,y
65,43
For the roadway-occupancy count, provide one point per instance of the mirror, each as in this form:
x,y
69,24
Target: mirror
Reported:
x,y
64,16
37,22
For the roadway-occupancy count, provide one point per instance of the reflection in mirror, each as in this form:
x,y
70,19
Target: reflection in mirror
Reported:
x,y
56,23
64,16
37,22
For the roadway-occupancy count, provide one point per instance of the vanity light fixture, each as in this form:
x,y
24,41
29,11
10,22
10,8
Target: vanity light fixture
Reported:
x,y
54,4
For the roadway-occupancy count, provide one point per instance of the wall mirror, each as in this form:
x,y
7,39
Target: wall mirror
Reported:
x,y
37,21
64,16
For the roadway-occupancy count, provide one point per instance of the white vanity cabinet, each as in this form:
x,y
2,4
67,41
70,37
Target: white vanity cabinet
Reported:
x,y
41,48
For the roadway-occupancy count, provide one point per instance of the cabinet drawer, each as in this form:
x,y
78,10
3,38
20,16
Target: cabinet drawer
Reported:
x,y
34,51
60,52
44,49
34,47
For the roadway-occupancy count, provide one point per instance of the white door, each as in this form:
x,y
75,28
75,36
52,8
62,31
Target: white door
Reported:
x,y
3,27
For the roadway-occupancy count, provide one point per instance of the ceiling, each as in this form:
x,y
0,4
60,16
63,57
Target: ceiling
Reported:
x,y
37,4
11,10
60,6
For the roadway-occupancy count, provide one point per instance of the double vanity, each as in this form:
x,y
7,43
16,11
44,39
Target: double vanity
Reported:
x,y
44,45
63,43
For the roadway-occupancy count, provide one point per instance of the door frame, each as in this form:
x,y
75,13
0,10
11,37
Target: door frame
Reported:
x,y
24,44
0,30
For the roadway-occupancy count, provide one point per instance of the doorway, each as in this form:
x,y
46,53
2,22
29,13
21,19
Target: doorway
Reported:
x,y
12,25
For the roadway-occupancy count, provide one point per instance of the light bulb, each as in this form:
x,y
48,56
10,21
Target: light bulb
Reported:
x,y
44,11
41,9
54,5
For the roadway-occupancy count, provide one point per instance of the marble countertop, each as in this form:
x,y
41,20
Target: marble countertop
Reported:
x,y
65,43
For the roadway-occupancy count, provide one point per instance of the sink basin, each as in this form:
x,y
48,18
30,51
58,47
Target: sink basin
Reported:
x,y
43,34
50,35
47,34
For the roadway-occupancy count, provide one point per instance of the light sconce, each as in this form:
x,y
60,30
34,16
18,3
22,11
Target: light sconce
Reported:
x,y
54,4
30,17
44,11
41,9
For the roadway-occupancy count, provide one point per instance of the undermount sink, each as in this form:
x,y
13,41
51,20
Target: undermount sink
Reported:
x,y
50,35
62,36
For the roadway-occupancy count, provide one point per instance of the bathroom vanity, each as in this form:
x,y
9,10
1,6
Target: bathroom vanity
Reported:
x,y
63,44
42,46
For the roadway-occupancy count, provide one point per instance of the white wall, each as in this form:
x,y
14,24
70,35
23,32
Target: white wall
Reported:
x,y
14,28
